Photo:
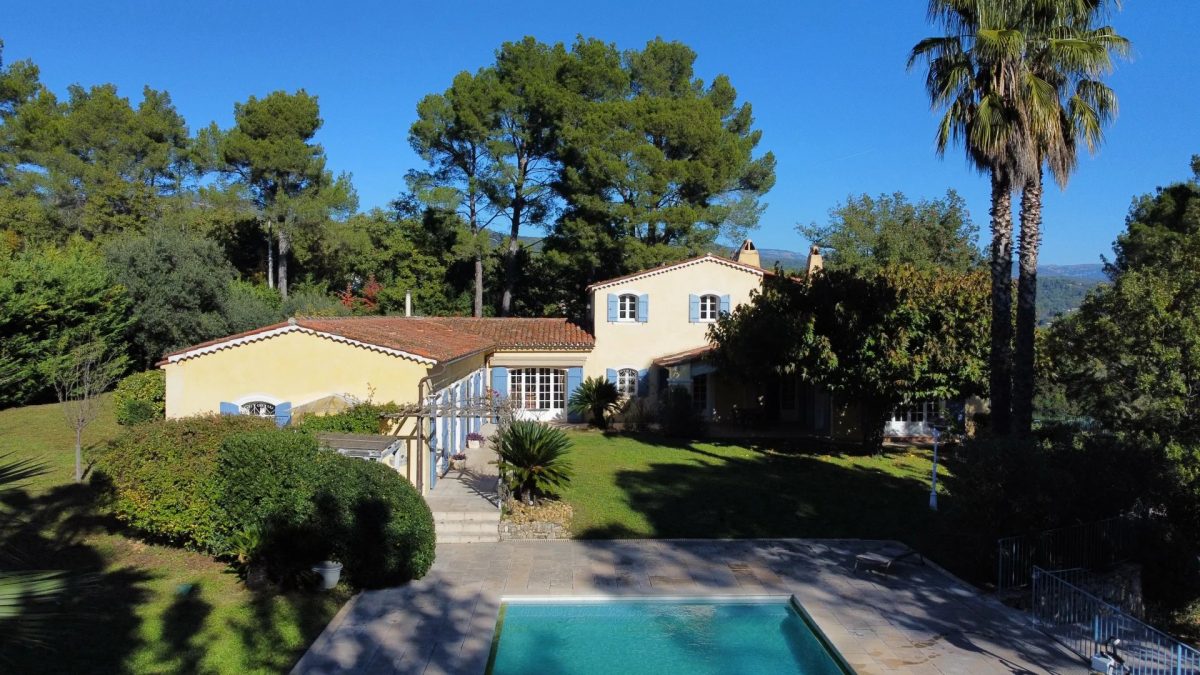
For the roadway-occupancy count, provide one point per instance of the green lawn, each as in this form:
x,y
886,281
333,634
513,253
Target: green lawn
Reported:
x,y
630,487
139,607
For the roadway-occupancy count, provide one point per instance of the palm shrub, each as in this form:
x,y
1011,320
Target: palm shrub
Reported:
x,y
596,397
533,457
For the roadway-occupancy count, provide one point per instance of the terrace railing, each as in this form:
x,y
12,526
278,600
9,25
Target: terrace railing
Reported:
x,y
1084,624
1089,546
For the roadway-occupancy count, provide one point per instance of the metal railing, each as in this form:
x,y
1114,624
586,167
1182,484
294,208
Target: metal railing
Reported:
x,y
1084,623
1088,546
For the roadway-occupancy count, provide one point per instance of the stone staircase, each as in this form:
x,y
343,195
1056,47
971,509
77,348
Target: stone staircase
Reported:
x,y
467,527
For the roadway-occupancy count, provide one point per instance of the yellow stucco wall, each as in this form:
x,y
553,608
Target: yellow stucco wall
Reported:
x,y
667,330
296,367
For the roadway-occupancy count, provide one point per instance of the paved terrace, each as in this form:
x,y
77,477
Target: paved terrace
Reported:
x,y
916,620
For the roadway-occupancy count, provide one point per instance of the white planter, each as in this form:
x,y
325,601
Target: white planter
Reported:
x,y
330,572
473,444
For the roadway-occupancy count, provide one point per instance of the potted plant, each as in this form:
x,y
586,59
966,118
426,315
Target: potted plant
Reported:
x,y
458,461
474,440
329,571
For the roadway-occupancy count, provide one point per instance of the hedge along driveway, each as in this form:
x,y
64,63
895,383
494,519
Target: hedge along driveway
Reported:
x,y
144,608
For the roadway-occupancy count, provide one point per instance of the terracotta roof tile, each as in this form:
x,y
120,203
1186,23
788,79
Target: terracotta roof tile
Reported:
x,y
437,338
677,358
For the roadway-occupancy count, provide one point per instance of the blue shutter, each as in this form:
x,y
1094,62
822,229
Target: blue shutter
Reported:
x,y
612,308
574,379
500,381
643,382
610,375
693,308
229,408
283,414
724,304
643,308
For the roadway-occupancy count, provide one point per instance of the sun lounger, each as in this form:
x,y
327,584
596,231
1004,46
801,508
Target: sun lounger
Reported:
x,y
883,560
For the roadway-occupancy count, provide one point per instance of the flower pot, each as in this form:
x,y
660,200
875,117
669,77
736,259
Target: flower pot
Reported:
x,y
473,444
458,464
330,572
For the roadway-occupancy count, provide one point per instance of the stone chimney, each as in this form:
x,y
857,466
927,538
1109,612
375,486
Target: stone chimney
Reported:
x,y
814,260
747,254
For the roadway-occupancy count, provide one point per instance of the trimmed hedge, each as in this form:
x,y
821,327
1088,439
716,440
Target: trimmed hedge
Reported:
x,y
161,476
141,397
362,418
311,504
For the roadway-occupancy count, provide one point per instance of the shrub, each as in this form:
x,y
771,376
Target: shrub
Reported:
x,y
361,418
595,398
680,417
141,397
534,458
639,415
161,476
311,504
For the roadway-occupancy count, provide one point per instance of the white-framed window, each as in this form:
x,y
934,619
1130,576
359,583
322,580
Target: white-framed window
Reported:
x,y
627,382
710,307
627,307
915,413
258,408
538,388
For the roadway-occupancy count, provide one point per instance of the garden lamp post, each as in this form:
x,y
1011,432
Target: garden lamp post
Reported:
x,y
938,427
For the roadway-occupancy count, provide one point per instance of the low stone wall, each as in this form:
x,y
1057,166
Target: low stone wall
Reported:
x,y
535,530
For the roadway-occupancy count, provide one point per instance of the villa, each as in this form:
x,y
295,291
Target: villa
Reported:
x,y
648,334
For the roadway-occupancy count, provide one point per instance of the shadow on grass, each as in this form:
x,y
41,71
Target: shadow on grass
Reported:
x,y
785,488
93,627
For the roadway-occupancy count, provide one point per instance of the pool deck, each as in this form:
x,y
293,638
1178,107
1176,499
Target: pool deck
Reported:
x,y
917,619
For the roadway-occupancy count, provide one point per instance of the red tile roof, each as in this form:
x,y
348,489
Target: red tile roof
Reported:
x,y
436,338
720,260
677,358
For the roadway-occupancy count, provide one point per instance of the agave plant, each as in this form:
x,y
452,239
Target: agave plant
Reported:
x,y
534,458
596,397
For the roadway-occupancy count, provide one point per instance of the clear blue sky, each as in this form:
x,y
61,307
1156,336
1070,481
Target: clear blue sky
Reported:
x,y
826,80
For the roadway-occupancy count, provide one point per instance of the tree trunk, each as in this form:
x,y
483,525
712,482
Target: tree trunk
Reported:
x,y
478,284
1000,361
270,261
78,453
1024,374
285,245
510,260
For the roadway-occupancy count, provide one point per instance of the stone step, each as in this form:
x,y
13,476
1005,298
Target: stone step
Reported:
x,y
466,527
492,516
467,538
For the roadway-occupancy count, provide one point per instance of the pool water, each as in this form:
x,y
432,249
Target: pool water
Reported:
x,y
659,636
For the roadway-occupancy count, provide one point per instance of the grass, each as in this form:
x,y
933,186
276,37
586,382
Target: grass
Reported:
x,y
646,487
139,607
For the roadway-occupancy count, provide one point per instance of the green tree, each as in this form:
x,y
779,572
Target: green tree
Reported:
x,y
178,285
895,336
52,299
867,233
270,150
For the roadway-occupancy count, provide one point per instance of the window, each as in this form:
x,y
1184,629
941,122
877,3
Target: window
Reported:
x,y
710,306
538,388
258,409
627,306
700,393
627,382
917,412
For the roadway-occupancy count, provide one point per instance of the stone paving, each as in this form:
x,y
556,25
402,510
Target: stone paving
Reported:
x,y
918,619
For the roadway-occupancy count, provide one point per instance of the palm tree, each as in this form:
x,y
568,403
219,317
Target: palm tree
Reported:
x,y
595,397
1064,104
972,75
533,458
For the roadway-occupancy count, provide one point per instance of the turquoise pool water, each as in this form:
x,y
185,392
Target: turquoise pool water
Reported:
x,y
660,636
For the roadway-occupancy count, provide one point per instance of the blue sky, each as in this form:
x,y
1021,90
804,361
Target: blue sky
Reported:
x,y
826,80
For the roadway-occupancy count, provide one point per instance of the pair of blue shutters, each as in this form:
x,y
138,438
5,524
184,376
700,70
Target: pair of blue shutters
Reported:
x,y
283,411
643,307
694,307
643,387
574,379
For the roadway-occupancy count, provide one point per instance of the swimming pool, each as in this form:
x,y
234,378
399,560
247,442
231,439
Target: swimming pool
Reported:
x,y
658,635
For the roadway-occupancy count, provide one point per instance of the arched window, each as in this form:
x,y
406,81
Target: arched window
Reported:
x,y
627,382
627,307
710,307
258,409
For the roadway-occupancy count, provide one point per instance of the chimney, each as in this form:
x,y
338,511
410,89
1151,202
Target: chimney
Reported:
x,y
815,263
747,254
